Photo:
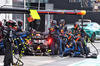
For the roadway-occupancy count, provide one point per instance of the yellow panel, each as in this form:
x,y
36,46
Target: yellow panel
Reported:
x,y
34,14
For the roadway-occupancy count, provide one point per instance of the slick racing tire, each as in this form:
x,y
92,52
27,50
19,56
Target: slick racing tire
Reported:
x,y
28,51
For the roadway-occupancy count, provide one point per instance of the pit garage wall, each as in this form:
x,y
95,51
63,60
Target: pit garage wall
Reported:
x,y
3,15
42,24
94,16
19,4
71,19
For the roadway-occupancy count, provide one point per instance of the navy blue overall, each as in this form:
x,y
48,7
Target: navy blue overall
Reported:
x,y
71,49
62,32
54,32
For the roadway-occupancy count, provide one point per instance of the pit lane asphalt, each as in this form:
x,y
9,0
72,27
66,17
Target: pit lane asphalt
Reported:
x,y
49,61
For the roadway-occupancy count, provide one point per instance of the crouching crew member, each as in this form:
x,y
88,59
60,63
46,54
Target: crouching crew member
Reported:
x,y
79,46
70,46
18,34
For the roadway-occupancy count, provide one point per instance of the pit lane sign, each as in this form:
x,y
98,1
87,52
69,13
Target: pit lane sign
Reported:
x,y
34,14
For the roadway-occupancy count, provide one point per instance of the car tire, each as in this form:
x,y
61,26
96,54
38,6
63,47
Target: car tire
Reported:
x,y
93,37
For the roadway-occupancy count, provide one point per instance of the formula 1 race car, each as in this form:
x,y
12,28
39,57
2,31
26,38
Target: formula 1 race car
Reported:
x,y
39,44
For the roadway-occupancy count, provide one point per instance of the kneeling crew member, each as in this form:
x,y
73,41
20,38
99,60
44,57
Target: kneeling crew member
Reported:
x,y
70,46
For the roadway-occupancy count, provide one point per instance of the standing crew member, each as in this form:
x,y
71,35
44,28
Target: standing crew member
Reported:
x,y
8,42
54,34
62,33
81,32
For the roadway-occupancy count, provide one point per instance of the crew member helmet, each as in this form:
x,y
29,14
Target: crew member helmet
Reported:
x,y
76,25
54,22
20,22
62,21
11,23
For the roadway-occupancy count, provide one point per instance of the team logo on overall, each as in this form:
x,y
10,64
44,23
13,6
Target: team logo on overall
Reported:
x,y
70,45
62,31
52,29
